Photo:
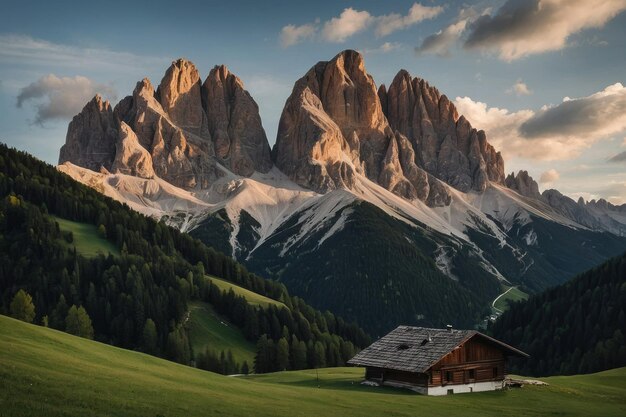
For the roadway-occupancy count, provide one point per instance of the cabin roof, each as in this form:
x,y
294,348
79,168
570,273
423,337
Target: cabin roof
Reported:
x,y
416,349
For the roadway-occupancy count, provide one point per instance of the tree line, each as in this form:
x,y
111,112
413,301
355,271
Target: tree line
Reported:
x,y
139,299
575,328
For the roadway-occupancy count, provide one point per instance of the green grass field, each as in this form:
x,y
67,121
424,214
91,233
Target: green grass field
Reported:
x,y
252,297
208,329
512,294
44,372
86,238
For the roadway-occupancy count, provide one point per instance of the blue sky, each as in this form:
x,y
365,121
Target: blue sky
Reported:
x,y
508,64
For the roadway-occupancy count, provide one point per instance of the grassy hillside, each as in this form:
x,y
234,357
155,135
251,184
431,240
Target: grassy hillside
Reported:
x,y
140,299
575,328
208,329
250,296
86,238
509,294
92,379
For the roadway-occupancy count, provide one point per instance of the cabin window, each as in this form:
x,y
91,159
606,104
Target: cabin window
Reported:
x,y
448,376
495,371
472,374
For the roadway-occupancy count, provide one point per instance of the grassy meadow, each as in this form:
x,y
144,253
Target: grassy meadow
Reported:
x,y
512,294
250,296
87,240
46,372
209,329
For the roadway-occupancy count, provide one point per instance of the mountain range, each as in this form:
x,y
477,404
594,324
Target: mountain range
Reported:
x,y
382,204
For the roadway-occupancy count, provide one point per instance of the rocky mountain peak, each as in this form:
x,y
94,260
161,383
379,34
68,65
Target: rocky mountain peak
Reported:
x,y
173,132
524,184
445,144
406,137
179,95
91,136
234,123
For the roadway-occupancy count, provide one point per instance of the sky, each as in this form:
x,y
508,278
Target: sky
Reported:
x,y
546,79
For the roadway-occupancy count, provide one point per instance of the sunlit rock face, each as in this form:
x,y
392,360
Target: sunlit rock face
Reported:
x,y
180,132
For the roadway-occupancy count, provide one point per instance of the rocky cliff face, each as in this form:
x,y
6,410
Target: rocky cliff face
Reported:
x,y
234,123
335,126
178,132
407,138
91,136
445,144
524,184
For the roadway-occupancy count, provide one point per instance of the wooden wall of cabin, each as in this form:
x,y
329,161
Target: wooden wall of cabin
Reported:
x,y
474,361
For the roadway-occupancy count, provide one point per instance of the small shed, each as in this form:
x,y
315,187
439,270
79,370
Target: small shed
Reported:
x,y
436,361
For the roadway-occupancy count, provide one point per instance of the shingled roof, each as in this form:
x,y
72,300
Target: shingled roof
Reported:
x,y
416,349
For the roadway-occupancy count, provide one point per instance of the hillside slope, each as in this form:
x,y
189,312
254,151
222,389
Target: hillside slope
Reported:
x,y
87,379
139,299
577,327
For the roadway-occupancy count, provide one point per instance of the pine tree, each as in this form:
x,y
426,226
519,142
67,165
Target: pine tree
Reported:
x,y
78,322
262,360
282,354
319,358
22,307
245,368
149,337
57,318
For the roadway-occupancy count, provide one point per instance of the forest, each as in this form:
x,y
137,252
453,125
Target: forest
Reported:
x,y
575,328
138,299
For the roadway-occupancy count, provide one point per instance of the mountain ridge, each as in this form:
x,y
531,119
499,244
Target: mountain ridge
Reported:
x,y
343,142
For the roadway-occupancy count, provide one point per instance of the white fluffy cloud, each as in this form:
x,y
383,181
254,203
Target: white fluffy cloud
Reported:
x,y
60,97
525,27
549,176
552,133
292,34
349,22
520,89
393,22
501,125
440,43
585,119
352,21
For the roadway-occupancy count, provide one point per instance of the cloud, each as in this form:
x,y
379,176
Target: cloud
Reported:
x,y
60,97
501,126
585,119
549,176
552,133
393,22
37,52
614,193
292,34
384,48
519,89
620,157
525,27
440,43
349,22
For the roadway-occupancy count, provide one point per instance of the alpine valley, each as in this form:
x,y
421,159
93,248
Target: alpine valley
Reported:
x,y
382,204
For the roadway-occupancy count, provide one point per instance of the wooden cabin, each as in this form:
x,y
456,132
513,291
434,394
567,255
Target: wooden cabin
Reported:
x,y
436,361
